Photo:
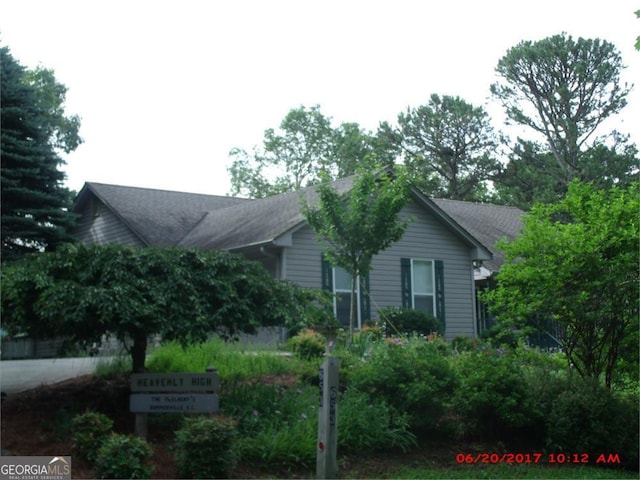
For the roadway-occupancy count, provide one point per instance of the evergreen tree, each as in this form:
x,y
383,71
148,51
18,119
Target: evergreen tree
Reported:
x,y
34,132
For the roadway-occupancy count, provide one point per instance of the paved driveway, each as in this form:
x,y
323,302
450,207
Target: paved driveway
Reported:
x,y
19,375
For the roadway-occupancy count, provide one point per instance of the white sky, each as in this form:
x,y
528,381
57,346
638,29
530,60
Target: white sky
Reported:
x,y
166,88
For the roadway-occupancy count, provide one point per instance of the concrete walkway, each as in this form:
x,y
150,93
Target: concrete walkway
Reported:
x,y
20,375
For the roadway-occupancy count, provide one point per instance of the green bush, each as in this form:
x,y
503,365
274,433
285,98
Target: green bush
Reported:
x,y
88,431
205,448
366,424
398,320
411,375
492,400
123,456
587,418
308,344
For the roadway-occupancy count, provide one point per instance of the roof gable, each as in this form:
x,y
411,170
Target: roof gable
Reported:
x,y
159,217
486,222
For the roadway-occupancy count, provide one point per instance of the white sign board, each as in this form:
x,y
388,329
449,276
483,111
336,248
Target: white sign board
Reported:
x,y
173,402
175,382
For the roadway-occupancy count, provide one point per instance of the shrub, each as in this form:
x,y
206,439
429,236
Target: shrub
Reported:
x,y
123,456
307,344
587,418
204,448
88,431
411,375
370,424
407,320
492,397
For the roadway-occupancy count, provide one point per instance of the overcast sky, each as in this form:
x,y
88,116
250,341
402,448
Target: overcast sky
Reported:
x,y
166,88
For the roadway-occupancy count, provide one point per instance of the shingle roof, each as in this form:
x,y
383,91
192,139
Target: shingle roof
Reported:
x,y
256,222
159,217
488,223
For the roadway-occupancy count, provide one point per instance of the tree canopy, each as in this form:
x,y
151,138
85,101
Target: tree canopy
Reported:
x,y
576,262
360,224
562,90
35,130
84,292
449,147
306,149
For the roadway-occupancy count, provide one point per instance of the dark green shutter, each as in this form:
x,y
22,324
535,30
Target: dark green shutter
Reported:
x,y
439,264
327,275
405,276
365,304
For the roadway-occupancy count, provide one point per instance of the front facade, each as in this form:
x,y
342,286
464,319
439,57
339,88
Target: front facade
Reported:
x,y
431,268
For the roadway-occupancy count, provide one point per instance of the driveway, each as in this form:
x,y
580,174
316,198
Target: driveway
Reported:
x,y
19,375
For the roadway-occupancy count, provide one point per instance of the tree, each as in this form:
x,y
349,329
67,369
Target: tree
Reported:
x,y
563,90
306,148
359,225
85,292
448,146
576,262
35,130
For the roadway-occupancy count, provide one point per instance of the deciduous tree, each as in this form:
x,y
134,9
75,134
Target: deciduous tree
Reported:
x,y
85,292
360,224
576,262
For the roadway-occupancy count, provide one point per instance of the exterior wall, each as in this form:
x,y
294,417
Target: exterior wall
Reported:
x,y
425,238
99,225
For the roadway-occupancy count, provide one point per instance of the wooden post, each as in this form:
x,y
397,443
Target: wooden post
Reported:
x,y
327,449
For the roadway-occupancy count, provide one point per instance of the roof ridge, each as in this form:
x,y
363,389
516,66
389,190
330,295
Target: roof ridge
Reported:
x,y
164,190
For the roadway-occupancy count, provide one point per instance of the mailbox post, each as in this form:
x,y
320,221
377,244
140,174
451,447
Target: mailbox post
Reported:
x,y
327,449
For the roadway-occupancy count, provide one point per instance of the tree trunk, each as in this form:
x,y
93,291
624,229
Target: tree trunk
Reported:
x,y
352,308
139,350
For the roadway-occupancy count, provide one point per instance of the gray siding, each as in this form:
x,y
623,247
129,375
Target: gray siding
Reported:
x,y
99,225
425,238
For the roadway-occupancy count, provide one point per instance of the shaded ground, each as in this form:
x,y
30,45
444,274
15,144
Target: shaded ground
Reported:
x,y
37,422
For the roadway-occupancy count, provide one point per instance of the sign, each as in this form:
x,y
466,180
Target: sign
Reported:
x,y
175,382
173,402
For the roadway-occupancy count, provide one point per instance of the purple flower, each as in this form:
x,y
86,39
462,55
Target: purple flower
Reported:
x,y
304,416
255,413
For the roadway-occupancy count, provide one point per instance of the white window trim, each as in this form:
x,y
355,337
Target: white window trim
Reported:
x,y
433,283
337,291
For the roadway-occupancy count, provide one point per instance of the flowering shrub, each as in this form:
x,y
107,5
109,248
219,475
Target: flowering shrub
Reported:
x,y
307,344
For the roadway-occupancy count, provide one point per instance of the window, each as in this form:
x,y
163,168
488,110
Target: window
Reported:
x,y
423,285
423,294
342,300
338,281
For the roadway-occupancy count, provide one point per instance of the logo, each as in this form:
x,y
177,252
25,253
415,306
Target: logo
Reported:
x,y
35,468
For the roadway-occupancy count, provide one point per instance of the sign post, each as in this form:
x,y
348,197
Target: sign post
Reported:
x,y
172,393
326,458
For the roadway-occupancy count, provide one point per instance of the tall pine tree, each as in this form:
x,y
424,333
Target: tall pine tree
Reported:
x,y
35,130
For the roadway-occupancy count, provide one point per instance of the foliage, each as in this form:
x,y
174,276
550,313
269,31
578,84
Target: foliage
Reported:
x,y
35,130
132,293
88,432
492,397
305,149
205,448
587,418
563,90
369,424
277,425
233,362
124,456
356,227
576,261
411,375
397,320
448,146
308,344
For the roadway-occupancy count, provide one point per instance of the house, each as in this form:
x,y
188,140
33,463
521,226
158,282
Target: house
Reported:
x,y
431,268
